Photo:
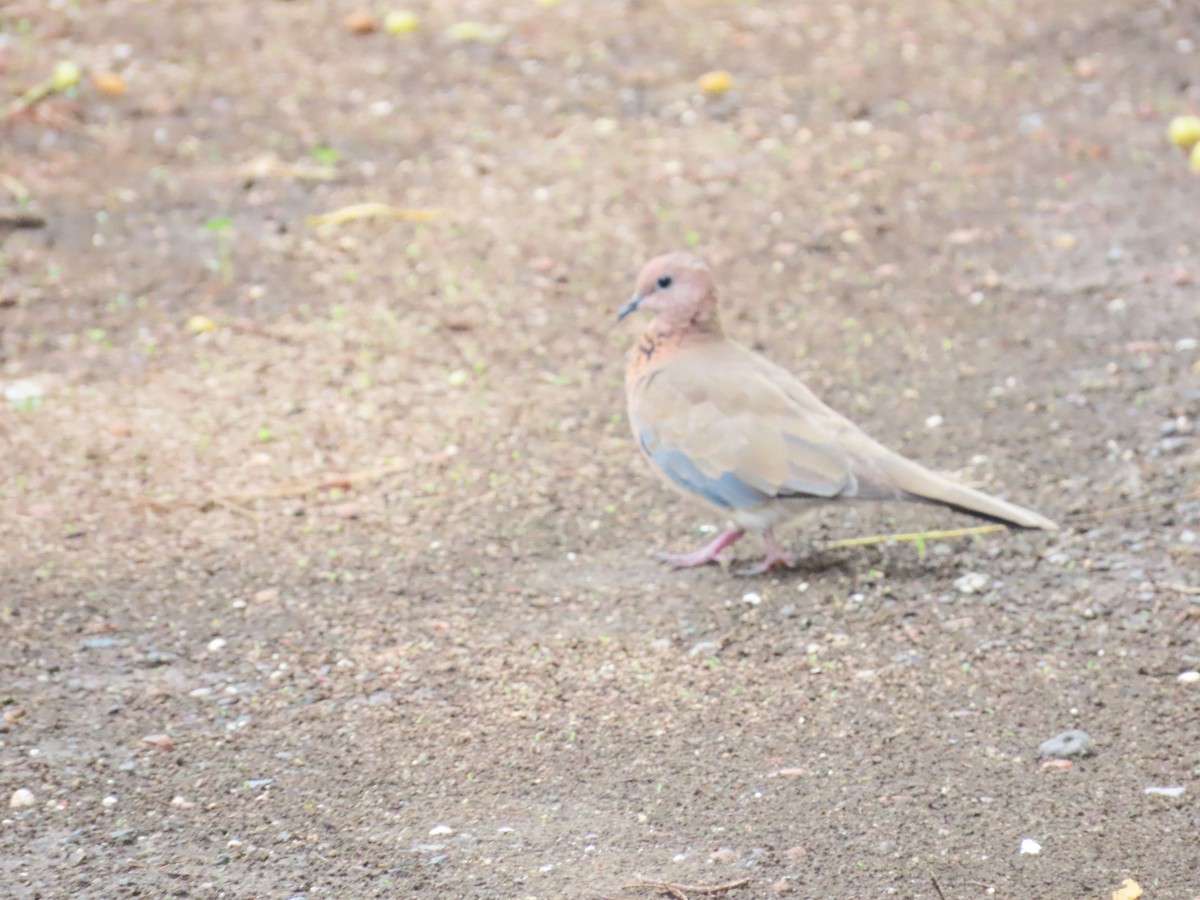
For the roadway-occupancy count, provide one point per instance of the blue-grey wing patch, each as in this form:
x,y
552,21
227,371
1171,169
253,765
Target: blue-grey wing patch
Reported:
x,y
725,490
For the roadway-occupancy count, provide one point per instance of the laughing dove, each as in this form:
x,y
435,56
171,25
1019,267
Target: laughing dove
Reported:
x,y
724,425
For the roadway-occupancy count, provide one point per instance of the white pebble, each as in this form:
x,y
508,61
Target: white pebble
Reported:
x,y
1187,536
1165,791
752,598
109,802
1030,846
216,645
934,421
971,583
439,830
1191,676
22,798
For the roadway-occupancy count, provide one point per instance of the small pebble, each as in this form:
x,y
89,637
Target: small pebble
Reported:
x,y
216,645
439,830
1069,743
1174,791
934,421
22,798
752,598
109,802
1191,676
723,855
1030,847
971,583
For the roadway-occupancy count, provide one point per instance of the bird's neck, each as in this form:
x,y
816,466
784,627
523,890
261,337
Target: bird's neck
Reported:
x,y
660,343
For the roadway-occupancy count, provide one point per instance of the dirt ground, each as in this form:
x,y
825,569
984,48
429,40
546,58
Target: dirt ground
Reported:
x,y
353,594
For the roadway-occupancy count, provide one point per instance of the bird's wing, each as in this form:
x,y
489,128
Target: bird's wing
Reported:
x,y
718,421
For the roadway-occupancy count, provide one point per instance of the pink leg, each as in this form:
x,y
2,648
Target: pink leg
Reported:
x,y
705,554
775,556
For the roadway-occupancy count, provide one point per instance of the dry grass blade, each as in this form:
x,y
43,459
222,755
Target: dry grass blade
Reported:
x,y
918,536
302,488
1135,507
357,211
683,891
1183,589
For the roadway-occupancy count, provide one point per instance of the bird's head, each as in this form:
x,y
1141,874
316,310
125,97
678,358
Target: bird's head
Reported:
x,y
678,288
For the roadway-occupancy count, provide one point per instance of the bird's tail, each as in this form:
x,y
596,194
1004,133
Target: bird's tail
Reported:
x,y
915,482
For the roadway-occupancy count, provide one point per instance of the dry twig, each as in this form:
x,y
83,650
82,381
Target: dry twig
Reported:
x,y
681,891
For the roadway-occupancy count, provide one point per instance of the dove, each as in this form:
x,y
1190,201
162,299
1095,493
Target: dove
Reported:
x,y
729,428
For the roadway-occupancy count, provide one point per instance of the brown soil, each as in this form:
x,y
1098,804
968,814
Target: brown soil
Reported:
x,y
460,672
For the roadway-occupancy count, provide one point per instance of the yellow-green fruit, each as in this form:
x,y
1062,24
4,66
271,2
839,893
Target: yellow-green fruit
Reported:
x,y
66,75
1194,160
1184,131
715,82
401,21
200,324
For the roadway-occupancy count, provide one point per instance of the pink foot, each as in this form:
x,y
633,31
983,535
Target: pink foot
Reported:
x,y
775,556
705,554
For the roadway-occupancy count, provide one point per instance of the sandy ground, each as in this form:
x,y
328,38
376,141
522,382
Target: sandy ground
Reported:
x,y
353,594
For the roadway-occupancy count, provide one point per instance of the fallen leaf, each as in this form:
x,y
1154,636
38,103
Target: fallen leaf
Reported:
x,y
159,741
109,83
360,22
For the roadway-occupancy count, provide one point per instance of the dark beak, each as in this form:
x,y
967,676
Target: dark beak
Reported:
x,y
630,306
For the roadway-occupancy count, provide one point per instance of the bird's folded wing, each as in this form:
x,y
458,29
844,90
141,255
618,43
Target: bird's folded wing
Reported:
x,y
723,428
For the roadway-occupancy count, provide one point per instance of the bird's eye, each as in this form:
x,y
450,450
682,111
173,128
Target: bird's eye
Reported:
x,y
664,281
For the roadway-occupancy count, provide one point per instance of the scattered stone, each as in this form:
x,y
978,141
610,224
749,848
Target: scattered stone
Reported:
x,y
1068,744
109,802
22,798
1030,847
723,855
934,421
705,648
971,583
439,830
752,598
98,643
216,645
1191,676
1173,791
